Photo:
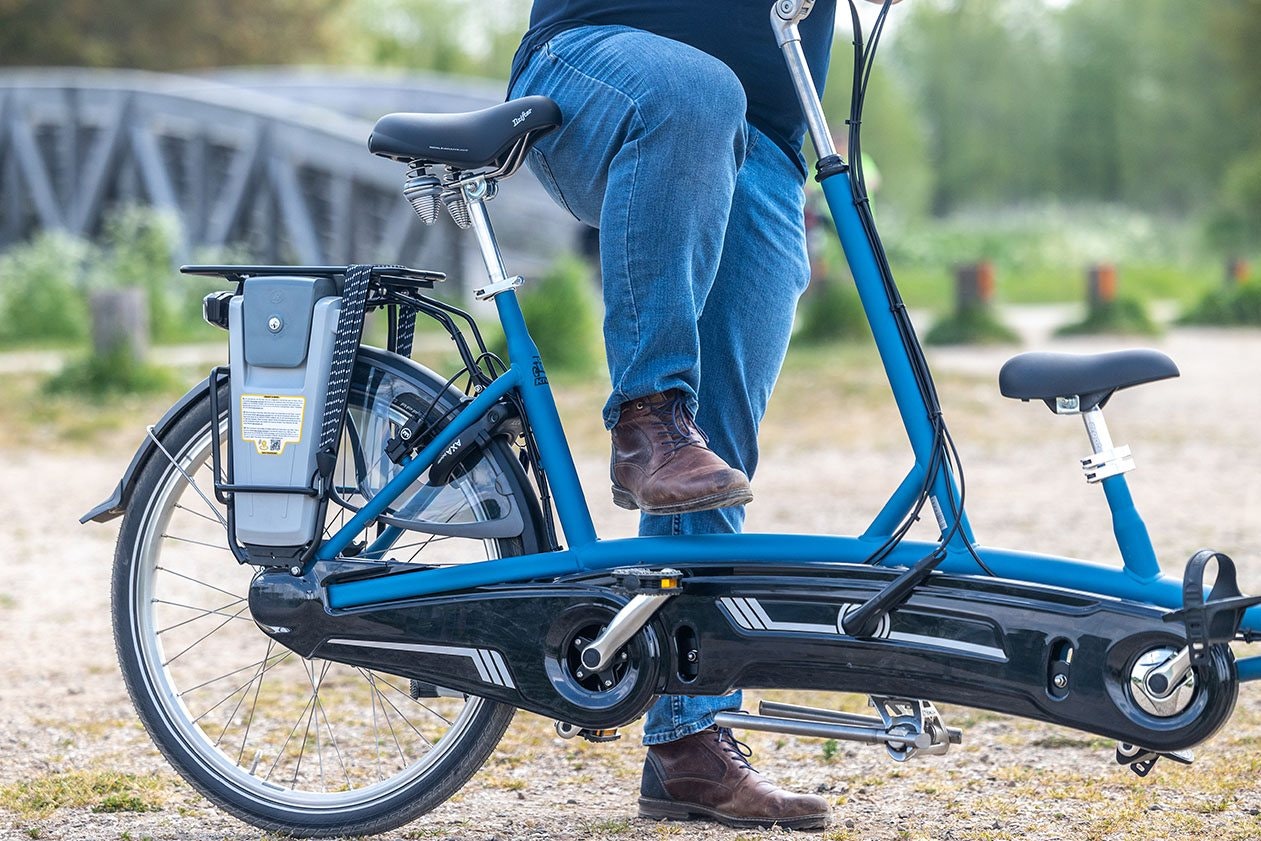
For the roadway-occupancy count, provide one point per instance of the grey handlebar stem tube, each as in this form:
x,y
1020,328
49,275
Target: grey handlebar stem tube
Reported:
x,y
785,15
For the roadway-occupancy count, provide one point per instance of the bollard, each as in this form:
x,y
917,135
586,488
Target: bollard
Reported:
x,y
974,320
1101,285
974,286
120,323
1237,272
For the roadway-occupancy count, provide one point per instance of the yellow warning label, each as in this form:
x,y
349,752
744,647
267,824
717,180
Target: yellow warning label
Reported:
x,y
271,421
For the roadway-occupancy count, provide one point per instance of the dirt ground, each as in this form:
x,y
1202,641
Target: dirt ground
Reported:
x,y
832,451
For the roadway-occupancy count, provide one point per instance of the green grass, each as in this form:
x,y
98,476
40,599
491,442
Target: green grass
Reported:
x,y
96,791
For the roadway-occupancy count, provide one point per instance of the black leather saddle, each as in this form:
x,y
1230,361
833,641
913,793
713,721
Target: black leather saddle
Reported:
x,y
1092,378
471,140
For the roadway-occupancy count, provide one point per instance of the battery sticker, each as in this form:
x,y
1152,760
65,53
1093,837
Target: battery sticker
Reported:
x,y
271,421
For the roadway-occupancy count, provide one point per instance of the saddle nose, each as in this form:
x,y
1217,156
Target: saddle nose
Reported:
x,y
469,140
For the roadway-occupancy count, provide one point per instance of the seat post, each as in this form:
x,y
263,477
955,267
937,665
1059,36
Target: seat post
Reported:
x,y
1106,466
475,193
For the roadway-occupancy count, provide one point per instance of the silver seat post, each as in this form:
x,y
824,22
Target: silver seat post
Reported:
x,y
475,194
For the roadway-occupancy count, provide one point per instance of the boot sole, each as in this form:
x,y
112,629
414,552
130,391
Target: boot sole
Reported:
x,y
670,810
622,499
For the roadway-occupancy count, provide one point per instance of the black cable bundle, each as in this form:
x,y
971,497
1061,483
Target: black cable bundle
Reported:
x,y
945,456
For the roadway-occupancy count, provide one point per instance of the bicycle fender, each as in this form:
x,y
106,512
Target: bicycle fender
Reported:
x,y
116,504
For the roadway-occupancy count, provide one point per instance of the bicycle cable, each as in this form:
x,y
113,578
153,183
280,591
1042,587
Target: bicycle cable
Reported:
x,y
944,453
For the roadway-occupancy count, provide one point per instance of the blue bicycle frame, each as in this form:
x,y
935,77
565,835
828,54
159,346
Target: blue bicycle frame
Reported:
x,y
1138,579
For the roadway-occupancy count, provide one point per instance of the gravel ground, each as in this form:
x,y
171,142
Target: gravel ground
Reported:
x,y
832,452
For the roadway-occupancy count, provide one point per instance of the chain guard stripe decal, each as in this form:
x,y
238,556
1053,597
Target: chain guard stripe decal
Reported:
x,y
489,664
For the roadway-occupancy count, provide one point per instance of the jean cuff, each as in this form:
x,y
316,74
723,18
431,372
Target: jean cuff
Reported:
x,y
681,731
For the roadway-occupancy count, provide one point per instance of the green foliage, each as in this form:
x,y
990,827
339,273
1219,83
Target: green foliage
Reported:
x,y
971,326
40,295
1236,223
830,750
1120,315
164,35
115,372
1137,101
138,249
469,37
831,311
563,314
1236,306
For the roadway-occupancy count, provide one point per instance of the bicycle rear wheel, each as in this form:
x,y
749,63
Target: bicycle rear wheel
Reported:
x,y
305,747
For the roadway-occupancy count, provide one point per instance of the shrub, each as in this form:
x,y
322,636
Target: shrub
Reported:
x,y
563,314
139,248
1120,315
41,298
831,312
971,326
1234,307
115,372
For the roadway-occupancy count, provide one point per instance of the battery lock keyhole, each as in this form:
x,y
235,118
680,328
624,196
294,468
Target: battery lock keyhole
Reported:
x,y
274,324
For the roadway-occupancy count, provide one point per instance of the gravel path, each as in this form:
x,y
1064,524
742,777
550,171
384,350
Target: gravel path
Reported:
x,y
832,452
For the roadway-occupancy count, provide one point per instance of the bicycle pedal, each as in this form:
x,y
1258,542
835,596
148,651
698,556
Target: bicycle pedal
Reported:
x,y
1141,760
569,731
644,580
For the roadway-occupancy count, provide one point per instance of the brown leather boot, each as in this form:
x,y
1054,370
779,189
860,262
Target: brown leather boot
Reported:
x,y
707,775
662,465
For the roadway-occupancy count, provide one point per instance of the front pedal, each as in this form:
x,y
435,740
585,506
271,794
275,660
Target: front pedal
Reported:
x,y
906,727
1141,760
569,731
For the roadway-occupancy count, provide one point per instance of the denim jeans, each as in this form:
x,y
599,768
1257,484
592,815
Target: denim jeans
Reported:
x,y
702,247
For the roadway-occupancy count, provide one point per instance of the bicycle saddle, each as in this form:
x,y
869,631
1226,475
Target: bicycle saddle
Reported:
x,y
471,140
1091,377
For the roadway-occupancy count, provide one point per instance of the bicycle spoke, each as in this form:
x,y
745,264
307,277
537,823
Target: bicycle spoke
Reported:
x,y
225,698
216,629
244,668
202,613
196,513
386,716
376,732
331,736
418,703
249,722
404,718
197,581
214,546
188,479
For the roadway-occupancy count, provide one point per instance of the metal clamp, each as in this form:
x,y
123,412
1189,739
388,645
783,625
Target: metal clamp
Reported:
x,y
1110,462
490,290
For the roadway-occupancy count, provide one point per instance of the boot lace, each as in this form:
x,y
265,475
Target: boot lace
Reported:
x,y
736,748
673,418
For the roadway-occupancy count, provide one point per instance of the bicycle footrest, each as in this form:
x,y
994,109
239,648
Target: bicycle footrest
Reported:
x,y
1217,618
906,727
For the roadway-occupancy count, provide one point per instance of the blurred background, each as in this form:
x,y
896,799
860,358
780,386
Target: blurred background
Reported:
x,y
1028,152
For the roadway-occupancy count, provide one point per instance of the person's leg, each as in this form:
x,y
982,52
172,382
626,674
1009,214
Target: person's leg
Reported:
x,y
652,140
744,332
747,320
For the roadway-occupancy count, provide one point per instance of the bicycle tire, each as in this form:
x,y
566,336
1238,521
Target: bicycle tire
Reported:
x,y
153,577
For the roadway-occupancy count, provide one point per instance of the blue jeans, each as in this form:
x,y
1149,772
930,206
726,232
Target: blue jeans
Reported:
x,y
702,247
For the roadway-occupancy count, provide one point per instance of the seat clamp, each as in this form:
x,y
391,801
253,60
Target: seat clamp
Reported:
x,y
1070,405
491,290
1108,463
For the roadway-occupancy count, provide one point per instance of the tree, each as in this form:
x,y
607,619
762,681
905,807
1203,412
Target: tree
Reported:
x,y
164,34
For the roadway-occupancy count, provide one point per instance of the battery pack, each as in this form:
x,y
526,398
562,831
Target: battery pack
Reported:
x,y
281,336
